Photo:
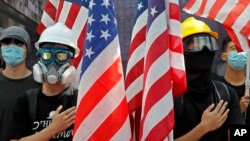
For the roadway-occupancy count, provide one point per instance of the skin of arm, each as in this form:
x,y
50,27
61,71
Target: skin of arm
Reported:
x,y
211,120
60,122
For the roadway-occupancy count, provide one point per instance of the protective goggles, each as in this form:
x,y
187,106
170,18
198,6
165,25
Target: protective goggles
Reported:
x,y
56,54
197,43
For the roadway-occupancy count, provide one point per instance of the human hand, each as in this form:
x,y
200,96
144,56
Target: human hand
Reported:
x,y
62,121
244,102
213,118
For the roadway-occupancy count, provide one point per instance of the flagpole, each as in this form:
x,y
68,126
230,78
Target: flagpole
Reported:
x,y
247,81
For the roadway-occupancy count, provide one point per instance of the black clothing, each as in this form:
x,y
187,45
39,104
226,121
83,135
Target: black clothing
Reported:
x,y
192,108
10,89
23,125
240,90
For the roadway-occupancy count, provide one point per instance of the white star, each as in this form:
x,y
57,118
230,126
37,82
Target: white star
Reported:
x,y
105,18
153,12
106,3
89,52
115,21
105,34
90,20
139,6
91,4
90,36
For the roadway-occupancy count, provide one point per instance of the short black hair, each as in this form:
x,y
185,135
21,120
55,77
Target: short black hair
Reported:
x,y
225,41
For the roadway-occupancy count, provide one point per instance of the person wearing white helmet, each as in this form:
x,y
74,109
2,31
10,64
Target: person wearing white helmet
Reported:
x,y
48,113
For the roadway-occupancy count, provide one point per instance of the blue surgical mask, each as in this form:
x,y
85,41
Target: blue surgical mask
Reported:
x,y
237,60
12,54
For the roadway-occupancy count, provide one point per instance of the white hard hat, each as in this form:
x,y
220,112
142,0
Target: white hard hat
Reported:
x,y
59,33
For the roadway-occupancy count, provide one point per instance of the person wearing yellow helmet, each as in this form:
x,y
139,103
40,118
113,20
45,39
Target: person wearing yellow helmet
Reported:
x,y
209,107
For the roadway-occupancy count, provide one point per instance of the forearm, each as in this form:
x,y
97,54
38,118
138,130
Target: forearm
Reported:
x,y
45,135
194,135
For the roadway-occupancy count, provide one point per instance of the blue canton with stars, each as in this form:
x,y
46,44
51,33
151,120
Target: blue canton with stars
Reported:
x,y
101,30
155,8
142,5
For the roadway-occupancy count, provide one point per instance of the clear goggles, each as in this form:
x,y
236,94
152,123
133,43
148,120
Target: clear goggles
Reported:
x,y
197,43
49,54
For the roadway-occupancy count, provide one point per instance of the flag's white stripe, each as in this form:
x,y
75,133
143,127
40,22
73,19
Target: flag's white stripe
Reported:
x,y
196,6
124,133
155,73
170,137
101,111
92,73
65,12
208,7
177,57
223,13
242,40
80,21
242,20
135,87
156,29
47,20
140,23
158,112
174,28
54,3
136,56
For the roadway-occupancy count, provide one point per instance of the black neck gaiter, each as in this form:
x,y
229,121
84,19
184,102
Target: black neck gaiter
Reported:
x,y
198,69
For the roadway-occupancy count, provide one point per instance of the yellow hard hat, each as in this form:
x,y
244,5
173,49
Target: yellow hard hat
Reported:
x,y
192,26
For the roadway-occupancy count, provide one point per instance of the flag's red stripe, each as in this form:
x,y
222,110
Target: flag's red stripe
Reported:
x,y
179,81
158,47
174,11
59,10
50,10
190,4
234,38
98,90
202,8
134,73
112,123
40,28
175,44
135,102
158,90
233,15
216,8
73,12
165,125
246,29
137,41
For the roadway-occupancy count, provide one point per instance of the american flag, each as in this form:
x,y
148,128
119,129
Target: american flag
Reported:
x,y
134,70
72,13
102,110
233,14
164,70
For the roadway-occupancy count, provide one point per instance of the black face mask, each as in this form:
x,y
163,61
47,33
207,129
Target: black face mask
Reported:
x,y
198,69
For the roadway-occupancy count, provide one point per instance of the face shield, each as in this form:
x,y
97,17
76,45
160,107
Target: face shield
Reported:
x,y
197,43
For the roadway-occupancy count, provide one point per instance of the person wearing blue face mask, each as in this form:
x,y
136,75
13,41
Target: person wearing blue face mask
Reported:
x,y
235,73
15,78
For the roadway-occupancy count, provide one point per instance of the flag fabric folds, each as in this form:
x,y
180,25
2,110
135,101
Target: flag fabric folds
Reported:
x,y
72,13
155,70
102,110
234,15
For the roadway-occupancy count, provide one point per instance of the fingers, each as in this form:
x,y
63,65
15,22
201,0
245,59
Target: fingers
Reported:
x,y
222,109
69,110
58,110
224,116
209,108
218,107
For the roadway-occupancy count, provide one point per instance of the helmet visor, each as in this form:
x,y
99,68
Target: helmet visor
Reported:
x,y
197,43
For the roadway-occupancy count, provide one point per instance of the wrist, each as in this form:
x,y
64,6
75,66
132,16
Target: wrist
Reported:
x,y
203,128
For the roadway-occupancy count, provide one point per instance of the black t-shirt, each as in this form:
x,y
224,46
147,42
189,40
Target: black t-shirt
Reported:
x,y
23,125
10,89
188,114
240,90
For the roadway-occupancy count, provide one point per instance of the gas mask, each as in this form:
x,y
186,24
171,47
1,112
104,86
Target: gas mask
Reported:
x,y
53,66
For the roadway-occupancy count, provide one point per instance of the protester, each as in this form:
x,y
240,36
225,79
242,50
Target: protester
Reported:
x,y
208,108
235,73
15,78
48,113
